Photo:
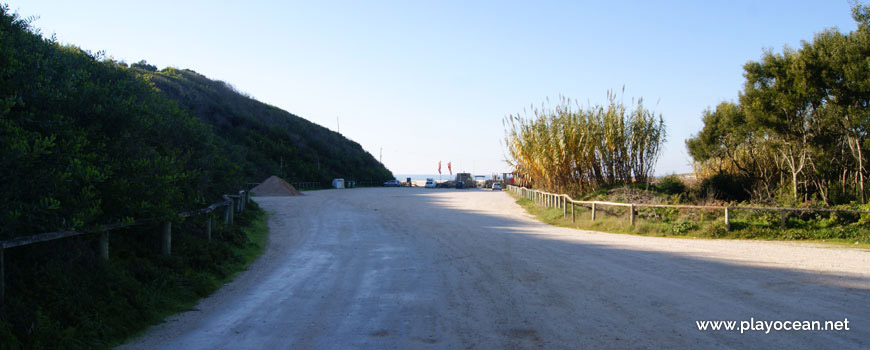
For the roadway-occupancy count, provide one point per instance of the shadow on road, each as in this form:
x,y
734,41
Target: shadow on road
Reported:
x,y
625,288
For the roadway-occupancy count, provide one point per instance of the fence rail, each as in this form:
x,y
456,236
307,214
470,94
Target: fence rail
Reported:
x,y
304,185
233,203
556,200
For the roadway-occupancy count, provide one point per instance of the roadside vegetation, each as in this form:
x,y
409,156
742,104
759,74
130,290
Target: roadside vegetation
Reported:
x,y
89,141
567,148
798,136
60,295
667,222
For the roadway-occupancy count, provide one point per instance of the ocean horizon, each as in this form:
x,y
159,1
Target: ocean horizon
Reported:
x,y
422,177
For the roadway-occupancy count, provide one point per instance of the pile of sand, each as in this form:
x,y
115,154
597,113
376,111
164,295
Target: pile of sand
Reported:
x,y
275,187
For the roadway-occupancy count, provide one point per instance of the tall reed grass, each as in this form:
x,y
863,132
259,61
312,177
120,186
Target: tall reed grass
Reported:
x,y
570,149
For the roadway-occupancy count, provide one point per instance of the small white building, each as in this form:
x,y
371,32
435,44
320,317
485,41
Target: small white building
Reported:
x,y
338,183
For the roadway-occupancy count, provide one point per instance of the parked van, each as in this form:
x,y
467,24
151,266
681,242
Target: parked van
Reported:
x,y
430,183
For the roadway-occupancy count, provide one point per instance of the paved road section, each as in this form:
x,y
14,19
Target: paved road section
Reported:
x,y
399,268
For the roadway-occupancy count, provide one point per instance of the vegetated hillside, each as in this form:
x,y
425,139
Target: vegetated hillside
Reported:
x,y
263,135
87,141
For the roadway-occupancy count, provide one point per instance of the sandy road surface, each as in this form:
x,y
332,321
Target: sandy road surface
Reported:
x,y
404,268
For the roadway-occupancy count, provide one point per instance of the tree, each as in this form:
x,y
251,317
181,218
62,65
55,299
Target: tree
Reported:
x,y
143,64
803,112
774,100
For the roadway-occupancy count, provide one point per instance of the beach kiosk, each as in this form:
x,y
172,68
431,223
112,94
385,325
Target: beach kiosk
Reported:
x,y
338,183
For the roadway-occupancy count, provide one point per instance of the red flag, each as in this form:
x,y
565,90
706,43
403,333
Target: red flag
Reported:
x,y
439,167
449,168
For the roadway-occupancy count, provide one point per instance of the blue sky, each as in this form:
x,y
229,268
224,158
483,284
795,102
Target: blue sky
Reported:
x,y
430,81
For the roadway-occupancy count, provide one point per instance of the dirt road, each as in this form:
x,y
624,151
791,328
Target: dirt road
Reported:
x,y
407,268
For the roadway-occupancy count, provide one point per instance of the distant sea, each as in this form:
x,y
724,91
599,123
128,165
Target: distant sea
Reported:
x,y
422,177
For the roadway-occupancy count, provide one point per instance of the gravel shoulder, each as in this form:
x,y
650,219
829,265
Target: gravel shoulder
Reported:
x,y
430,268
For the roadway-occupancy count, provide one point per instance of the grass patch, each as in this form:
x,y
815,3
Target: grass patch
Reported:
x,y
711,224
60,295
257,233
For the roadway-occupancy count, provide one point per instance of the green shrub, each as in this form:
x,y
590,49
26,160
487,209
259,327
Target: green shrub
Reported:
x,y
683,227
671,184
726,187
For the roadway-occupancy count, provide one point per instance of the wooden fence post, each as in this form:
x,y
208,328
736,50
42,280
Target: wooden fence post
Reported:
x,y
564,208
231,212
631,215
104,246
228,213
782,219
727,219
593,211
208,226
2,275
573,209
167,238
